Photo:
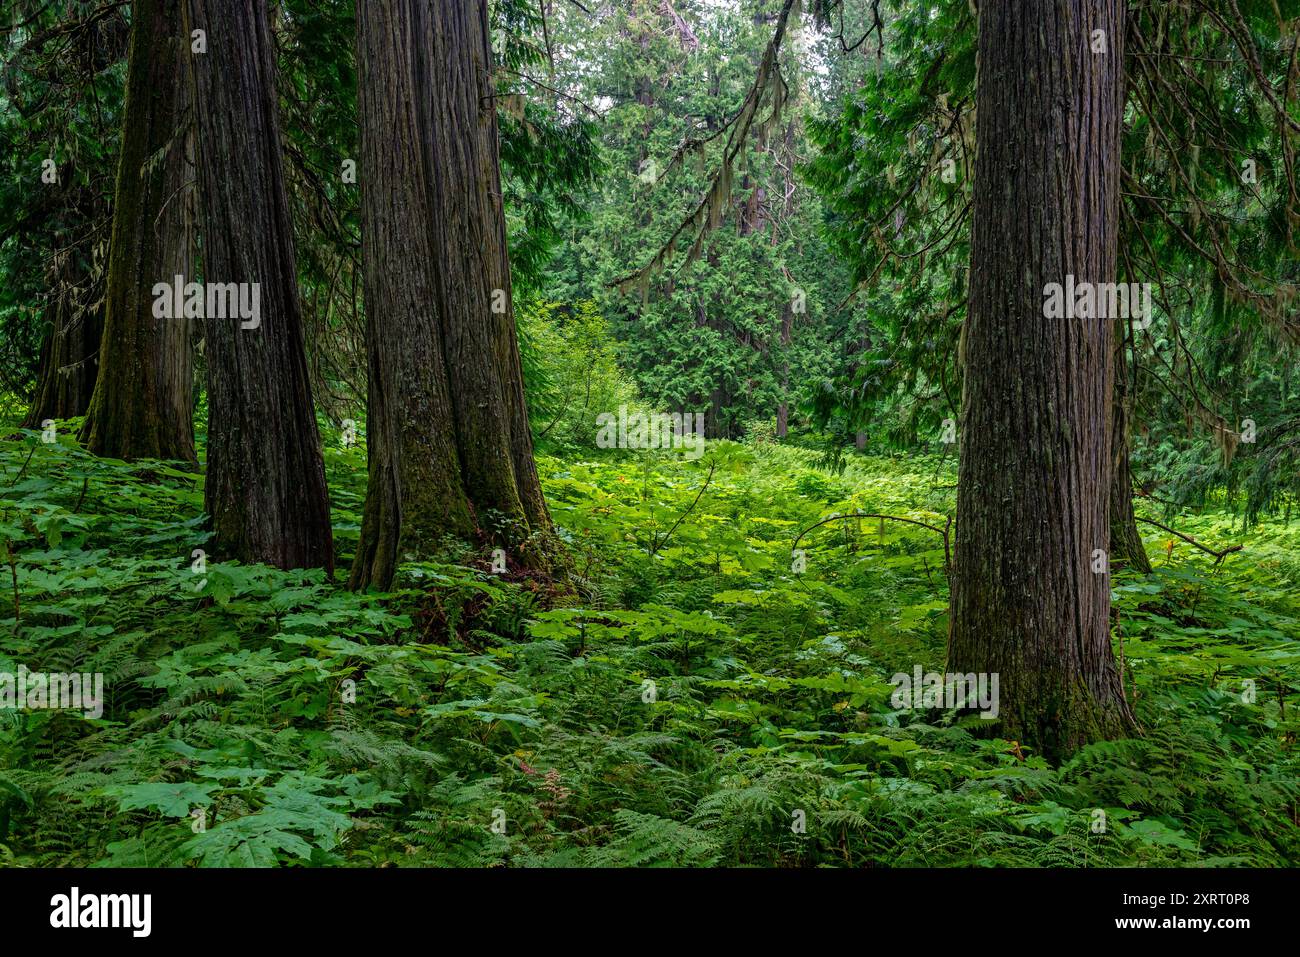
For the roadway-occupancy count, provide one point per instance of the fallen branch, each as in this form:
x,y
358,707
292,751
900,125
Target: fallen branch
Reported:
x,y
1219,554
947,552
563,409
658,543
26,463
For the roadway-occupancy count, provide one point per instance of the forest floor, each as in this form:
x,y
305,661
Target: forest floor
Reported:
x,y
696,701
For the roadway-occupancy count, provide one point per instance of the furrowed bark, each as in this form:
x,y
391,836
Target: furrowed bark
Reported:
x,y
143,403
1034,490
482,352
414,494
450,447
265,488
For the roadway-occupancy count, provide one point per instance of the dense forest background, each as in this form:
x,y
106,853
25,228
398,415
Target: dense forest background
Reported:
x,y
367,586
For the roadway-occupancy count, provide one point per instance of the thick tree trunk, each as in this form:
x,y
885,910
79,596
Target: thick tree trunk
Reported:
x,y
451,451
143,405
1125,541
1034,487
415,493
265,486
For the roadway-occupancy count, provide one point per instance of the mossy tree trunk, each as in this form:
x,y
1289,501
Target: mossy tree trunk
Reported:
x,y
1034,490
450,448
143,404
265,487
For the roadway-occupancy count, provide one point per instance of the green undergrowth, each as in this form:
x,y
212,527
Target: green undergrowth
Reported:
x,y
696,700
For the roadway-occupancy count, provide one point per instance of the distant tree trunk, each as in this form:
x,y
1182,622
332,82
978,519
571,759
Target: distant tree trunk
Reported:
x,y
143,405
787,308
69,356
787,336
716,424
860,438
1033,496
1125,539
265,487
450,448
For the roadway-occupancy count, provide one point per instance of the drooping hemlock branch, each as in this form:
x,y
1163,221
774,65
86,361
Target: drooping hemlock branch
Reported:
x,y
945,531
707,215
